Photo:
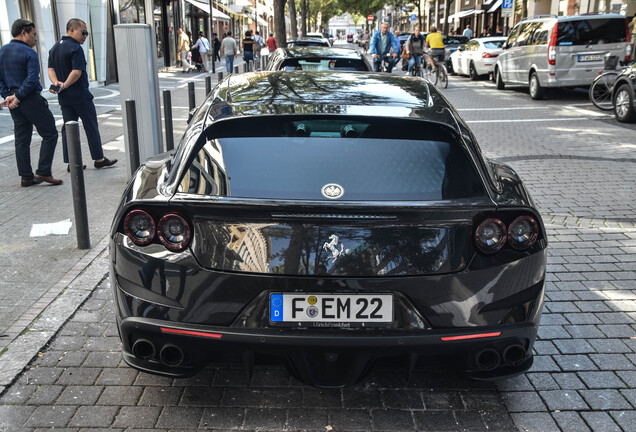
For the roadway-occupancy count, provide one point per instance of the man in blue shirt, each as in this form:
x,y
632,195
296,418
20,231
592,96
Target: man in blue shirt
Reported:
x,y
20,87
381,43
67,69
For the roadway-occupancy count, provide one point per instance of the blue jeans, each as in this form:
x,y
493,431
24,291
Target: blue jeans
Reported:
x,y
378,62
414,58
248,56
229,63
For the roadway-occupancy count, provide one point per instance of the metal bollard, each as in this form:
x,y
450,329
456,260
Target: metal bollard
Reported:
x,y
191,100
245,67
208,85
219,77
213,63
236,69
133,136
167,114
77,185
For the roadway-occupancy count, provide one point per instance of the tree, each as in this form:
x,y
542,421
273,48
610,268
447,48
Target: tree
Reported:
x,y
292,18
279,23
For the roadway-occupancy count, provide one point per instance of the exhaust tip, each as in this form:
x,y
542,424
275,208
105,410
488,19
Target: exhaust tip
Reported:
x,y
487,359
143,349
171,355
514,355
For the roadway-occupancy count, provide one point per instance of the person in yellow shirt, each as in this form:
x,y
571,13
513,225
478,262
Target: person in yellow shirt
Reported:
x,y
435,41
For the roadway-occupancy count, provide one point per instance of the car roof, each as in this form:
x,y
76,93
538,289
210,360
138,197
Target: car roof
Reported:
x,y
346,93
322,52
571,17
491,38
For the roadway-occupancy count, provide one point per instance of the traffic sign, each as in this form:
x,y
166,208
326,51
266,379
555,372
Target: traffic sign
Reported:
x,y
413,17
506,8
370,18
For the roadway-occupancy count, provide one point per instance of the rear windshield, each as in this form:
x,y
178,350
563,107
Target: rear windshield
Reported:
x,y
332,152
494,44
591,31
324,65
305,43
455,40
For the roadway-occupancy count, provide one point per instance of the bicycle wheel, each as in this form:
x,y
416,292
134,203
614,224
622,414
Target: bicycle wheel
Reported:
x,y
443,75
432,76
601,91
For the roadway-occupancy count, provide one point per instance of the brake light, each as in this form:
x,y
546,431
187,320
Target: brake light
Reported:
x,y
488,55
174,232
490,235
139,227
552,45
628,39
470,336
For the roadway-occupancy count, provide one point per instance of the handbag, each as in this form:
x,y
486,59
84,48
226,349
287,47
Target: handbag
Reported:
x,y
405,55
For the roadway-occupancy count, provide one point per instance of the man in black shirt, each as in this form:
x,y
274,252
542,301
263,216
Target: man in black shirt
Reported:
x,y
67,69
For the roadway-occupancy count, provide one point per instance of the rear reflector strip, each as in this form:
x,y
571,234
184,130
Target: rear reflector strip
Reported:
x,y
191,333
470,336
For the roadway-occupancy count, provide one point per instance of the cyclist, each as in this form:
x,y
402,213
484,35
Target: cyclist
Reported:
x,y
381,43
435,41
415,47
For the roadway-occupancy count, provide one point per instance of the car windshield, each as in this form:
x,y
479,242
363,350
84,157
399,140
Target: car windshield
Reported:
x,y
494,44
324,64
314,153
591,31
313,42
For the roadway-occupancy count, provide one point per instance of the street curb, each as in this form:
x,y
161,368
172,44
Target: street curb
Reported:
x,y
70,293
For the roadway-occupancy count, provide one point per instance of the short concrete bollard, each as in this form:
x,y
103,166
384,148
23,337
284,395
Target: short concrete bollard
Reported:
x,y
77,185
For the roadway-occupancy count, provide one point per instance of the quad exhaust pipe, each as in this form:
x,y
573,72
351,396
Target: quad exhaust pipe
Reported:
x,y
143,349
171,355
487,359
514,355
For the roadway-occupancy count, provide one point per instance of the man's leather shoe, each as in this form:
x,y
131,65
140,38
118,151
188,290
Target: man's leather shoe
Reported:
x,y
105,163
30,182
48,179
68,167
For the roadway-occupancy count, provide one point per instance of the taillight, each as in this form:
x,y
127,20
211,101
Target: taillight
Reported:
x,y
490,235
628,52
552,45
174,232
139,227
488,55
523,232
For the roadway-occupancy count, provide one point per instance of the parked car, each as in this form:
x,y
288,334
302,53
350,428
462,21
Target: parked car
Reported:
x,y
451,43
318,58
564,51
477,58
308,42
327,221
624,95
320,36
350,38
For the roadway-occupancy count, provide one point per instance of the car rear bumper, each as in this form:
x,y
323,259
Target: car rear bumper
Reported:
x,y
326,358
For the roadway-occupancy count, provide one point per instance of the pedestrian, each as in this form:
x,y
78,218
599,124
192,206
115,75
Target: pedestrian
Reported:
x,y
203,45
217,48
499,31
271,43
229,49
468,32
20,87
184,49
248,49
259,43
67,69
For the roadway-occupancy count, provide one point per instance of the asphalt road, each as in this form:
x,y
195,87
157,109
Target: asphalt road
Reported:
x,y
579,165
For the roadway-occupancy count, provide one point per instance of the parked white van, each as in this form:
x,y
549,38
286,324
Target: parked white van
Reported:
x,y
567,51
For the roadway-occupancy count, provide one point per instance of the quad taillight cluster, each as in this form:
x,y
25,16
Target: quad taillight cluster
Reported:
x,y
492,234
172,229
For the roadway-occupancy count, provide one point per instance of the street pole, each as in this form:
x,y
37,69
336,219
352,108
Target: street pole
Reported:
x,y
77,185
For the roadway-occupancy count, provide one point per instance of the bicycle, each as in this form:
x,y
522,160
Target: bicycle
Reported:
x,y
384,66
418,70
602,88
441,73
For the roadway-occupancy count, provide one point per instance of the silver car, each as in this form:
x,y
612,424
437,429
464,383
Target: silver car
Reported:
x,y
568,51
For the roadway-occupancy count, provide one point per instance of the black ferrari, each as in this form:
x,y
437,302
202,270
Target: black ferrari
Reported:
x,y
332,222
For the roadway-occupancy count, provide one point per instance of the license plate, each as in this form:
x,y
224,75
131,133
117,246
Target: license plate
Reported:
x,y
331,310
590,58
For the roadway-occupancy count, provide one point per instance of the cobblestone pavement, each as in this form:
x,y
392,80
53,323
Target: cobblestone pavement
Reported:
x,y
580,168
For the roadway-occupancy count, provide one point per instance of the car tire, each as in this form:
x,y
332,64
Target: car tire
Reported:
x,y
624,104
499,80
472,72
536,91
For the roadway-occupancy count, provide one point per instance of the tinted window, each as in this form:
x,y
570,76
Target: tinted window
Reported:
x,y
455,40
367,169
315,42
525,33
324,64
592,31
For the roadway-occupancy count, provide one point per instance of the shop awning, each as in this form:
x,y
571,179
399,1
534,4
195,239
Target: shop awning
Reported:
x,y
203,5
496,6
461,14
